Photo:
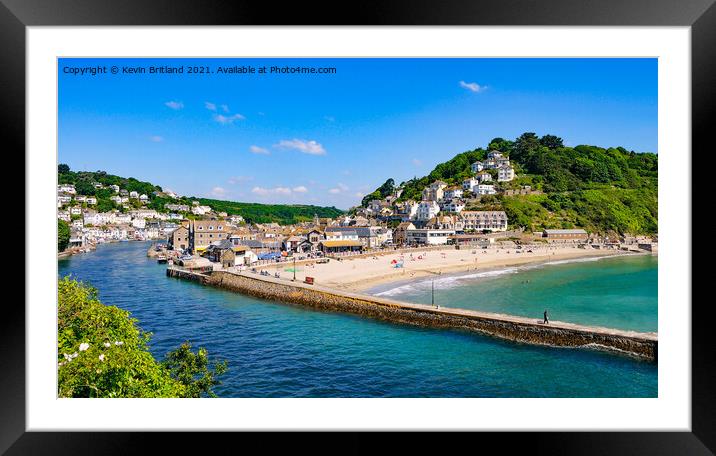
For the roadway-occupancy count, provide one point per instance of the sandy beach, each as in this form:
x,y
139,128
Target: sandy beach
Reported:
x,y
362,273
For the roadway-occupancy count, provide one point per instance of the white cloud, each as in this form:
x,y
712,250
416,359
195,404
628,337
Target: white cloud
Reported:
x,y
259,150
271,191
360,194
471,86
300,189
210,106
156,138
218,191
226,120
225,108
330,118
417,162
306,147
260,191
175,105
343,187
334,191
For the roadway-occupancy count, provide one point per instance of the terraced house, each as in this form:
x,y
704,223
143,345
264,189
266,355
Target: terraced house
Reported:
x,y
484,220
204,232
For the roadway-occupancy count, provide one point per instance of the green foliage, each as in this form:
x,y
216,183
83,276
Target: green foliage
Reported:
x,y
257,213
551,141
284,214
63,235
102,353
84,182
599,189
384,190
193,370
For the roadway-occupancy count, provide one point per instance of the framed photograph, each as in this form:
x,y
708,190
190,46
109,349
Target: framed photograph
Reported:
x,y
418,218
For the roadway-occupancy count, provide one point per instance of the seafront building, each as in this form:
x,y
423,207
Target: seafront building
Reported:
x,y
571,235
427,236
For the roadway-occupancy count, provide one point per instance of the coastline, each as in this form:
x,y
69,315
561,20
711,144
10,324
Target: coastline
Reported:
x,y
366,274
384,287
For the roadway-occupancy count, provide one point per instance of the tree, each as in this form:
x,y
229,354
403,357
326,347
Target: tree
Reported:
x,y
551,141
102,353
501,145
63,169
387,188
63,235
193,370
524,147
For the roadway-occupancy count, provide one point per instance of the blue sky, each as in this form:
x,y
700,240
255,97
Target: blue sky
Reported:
x,y
328,139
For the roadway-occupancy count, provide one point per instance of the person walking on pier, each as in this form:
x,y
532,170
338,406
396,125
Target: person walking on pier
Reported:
x,y
546,320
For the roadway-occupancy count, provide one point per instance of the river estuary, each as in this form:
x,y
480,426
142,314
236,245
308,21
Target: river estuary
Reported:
x,y
280,350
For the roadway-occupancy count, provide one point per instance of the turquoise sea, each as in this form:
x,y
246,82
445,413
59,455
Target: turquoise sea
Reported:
x,y
280,350
616,292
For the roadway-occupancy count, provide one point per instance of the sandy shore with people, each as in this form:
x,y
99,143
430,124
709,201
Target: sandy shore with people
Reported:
x,y
366,272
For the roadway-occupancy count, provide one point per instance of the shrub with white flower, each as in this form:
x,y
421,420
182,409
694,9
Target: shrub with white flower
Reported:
x,y
86,325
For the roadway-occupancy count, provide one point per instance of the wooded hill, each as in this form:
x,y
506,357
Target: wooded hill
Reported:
x,y
601,190
283,214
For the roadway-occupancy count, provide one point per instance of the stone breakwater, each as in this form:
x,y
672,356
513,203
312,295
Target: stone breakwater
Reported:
x,y
509,327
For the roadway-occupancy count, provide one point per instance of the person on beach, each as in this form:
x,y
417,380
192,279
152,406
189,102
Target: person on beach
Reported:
x,y
546,320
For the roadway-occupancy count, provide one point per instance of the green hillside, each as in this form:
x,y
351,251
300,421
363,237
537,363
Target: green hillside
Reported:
x,y
601,190
265,213
283,214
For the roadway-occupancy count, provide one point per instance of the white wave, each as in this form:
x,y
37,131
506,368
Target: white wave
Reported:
x,y
450,281
444,282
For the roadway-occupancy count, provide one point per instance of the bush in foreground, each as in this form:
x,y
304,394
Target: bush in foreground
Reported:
x,y
102,353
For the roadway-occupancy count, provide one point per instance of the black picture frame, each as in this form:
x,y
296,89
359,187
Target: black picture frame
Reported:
x,y
16,15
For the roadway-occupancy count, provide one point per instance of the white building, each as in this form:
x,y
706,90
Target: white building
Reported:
x,y
63,199
427,236
434,191
115,188
200,210
484,220
454,205
484,177
407,210
453,192
469,184
341,234
476,167
63,215
133,194
427,210
494,155
139,223
505,173
143,198
484,189
76,210
66,188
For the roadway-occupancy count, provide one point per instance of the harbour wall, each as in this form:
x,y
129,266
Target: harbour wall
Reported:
x,y
513,328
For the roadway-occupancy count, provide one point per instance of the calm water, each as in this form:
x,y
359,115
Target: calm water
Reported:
x,y
278,350
617,292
